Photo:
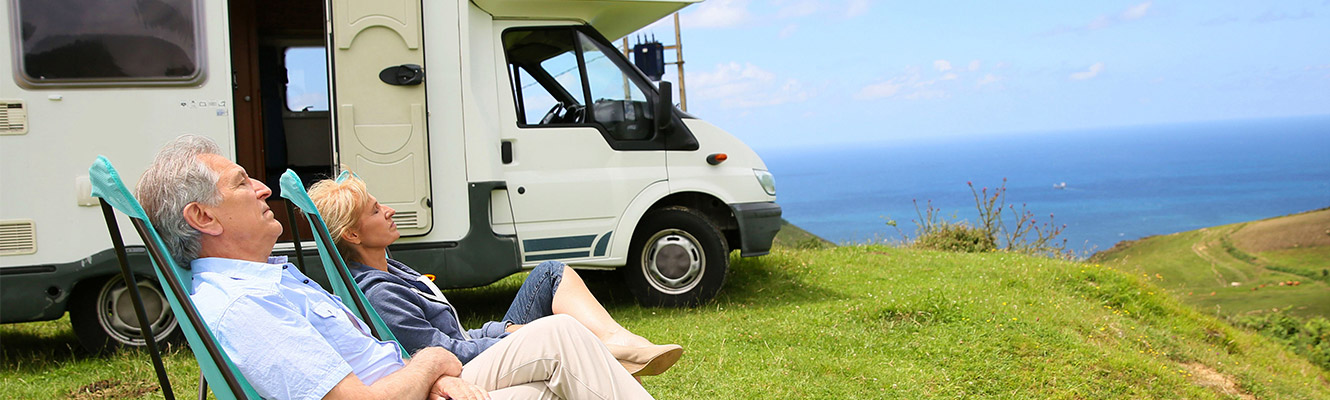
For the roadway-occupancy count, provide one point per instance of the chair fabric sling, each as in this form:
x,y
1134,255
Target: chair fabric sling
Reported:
x,y
339,276
214,365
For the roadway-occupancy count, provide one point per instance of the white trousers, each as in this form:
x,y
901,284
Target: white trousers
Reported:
x,y
551,358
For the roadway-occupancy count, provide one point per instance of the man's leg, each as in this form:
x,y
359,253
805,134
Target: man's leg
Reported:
x,y
562,353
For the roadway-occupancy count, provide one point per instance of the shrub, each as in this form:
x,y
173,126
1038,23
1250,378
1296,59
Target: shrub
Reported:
x,y
1021,232
1309,338
957,237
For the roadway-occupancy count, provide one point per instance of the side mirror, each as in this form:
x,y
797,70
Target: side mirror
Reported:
x,y
664,111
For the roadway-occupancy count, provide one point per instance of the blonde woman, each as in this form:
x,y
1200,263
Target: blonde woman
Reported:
x,y
420,316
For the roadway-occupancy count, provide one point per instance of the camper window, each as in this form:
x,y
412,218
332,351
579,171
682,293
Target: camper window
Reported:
x,y
306,79
115,42
564,76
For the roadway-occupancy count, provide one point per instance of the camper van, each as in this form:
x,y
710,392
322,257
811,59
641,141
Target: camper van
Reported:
x,y
505,132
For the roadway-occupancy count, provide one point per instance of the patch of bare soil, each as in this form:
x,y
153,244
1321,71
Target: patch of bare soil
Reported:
x,y
1308,229
1208,377
113,389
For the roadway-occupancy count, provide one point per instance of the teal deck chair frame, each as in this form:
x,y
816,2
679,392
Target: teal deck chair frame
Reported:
x,y
214,365
339,276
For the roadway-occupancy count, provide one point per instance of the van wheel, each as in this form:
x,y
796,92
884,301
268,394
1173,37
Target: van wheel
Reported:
x,y
677,258
102,313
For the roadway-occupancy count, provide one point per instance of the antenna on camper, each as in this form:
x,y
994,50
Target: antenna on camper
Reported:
x,y
649,56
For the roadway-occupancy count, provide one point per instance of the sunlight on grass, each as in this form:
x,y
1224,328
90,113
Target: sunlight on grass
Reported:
x,y
859,322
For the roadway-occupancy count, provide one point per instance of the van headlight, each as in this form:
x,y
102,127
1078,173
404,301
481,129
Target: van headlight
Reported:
x,y
767,181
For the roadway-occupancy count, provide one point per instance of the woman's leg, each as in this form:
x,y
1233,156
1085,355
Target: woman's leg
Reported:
x,y
554,288
574,299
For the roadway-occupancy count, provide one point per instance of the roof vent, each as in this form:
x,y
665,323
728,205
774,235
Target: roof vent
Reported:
x,y
406,219
17,237
13,117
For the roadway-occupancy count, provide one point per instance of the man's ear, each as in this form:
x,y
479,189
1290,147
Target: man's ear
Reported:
x,y
202,219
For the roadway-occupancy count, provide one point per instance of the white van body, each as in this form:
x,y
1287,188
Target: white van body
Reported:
x,y
457,139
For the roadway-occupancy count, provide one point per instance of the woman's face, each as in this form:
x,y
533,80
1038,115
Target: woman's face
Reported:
x,y
376,227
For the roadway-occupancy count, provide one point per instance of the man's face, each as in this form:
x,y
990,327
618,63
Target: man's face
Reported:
x,y
243,212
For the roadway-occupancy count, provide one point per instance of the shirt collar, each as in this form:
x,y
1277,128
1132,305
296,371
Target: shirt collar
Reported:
x,y
270,271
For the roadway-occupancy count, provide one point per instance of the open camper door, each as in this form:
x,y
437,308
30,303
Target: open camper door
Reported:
x,y
379,103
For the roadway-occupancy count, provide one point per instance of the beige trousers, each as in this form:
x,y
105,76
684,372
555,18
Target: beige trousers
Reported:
x,y
551,358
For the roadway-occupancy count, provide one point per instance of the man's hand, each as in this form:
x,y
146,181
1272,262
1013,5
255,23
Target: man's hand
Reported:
x,y
445,360
512,328
451,387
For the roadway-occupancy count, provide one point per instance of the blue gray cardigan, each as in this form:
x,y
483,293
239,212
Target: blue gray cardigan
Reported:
x,y
417,319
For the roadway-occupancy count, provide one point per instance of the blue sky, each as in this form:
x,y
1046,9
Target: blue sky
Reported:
x,y
785,73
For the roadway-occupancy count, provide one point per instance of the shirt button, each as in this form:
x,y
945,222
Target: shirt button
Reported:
x,y
284,266
307,281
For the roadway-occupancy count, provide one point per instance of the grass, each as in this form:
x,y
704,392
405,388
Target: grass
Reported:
x,y
857,322
1238,269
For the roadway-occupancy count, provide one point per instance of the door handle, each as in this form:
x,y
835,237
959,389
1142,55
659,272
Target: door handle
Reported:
x,y
403,75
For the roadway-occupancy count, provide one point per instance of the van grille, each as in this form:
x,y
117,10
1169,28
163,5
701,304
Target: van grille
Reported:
x,y
17,237
13,118
406,219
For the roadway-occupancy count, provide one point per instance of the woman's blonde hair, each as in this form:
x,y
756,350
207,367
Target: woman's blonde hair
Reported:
x,y
340,204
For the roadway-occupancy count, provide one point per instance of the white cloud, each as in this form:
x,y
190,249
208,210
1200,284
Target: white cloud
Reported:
x,y
736,85
974,65
856,8
1132,13
1136,11
788,31
987,79
718,14
880,90
910,86
1087,74
942,65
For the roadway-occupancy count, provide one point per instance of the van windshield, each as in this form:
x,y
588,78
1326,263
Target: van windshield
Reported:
x,y
563,76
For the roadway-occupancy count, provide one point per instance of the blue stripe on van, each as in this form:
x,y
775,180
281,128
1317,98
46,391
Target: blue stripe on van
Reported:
x,y
603,244
558,243
554,256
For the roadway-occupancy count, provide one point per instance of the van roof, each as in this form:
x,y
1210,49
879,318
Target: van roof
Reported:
x,y
613,18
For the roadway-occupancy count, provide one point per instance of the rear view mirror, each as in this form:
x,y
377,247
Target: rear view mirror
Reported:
x,y
664,107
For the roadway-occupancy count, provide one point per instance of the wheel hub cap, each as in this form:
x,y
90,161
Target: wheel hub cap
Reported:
x,y
674,261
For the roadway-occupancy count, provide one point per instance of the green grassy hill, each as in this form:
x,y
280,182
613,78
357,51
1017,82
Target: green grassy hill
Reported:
x,y
1277,264
851,322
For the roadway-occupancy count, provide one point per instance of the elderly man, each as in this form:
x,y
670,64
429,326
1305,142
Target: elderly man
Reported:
x,y
291,339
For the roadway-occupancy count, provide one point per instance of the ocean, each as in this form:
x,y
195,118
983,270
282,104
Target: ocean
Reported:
x,y
1121,183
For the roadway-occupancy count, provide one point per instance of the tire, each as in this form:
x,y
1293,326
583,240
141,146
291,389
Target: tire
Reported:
x,y
102,314
677,258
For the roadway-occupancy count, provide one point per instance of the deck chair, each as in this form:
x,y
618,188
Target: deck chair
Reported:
x,y
339,276
214,365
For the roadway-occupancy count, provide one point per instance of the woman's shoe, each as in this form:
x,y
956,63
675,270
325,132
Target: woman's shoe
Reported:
x,y
647,360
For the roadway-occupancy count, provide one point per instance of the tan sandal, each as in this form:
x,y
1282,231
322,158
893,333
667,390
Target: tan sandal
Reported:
x,y
647,360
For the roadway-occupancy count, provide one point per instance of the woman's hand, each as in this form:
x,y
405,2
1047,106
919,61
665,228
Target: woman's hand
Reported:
x,y
451,387
512,328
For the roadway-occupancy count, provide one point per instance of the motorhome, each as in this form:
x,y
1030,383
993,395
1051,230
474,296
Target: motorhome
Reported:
x,y
505,132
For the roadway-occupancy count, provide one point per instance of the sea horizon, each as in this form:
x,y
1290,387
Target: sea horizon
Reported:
x,y
1121,183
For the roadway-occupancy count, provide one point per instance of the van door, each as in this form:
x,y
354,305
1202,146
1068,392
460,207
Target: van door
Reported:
x,y
379,97
583,146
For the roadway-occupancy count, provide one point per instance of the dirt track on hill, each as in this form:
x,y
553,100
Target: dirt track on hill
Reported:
x,y
1301,230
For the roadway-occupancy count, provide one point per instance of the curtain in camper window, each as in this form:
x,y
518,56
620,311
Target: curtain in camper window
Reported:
x,y
108,41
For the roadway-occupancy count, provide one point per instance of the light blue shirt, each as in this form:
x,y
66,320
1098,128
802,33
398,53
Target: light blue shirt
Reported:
x,y
289,337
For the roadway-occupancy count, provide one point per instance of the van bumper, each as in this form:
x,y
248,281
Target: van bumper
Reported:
x,y
758,224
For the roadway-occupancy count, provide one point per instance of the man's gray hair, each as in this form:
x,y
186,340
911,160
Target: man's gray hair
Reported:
x,y
176,178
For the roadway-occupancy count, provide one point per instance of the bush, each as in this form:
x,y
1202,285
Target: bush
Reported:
x,y
1022,234
957,237
1309,338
